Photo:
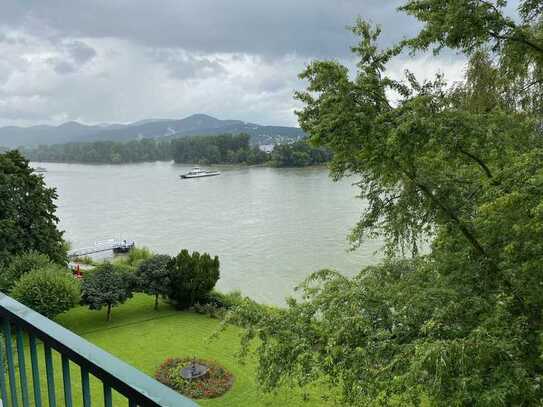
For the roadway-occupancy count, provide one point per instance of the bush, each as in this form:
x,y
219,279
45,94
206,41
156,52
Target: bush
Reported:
x,y
85,260
210,310
106,286
49,291
217,304
153,276
138,254
192,277
215,383
20,265
223,300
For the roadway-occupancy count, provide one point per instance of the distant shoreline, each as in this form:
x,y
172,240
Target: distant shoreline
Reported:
x,y
267,164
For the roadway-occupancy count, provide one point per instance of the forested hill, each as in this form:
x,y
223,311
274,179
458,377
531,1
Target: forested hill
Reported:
x,y
73,132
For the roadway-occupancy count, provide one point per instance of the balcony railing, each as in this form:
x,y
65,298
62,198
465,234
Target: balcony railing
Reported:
x,y
19,322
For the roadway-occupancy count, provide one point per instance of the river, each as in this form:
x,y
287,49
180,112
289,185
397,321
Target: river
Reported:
x,y
270,227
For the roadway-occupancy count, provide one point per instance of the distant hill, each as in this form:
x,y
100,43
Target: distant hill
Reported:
x,y
73,132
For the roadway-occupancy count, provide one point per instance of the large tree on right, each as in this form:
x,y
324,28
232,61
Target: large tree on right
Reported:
x,y
458,165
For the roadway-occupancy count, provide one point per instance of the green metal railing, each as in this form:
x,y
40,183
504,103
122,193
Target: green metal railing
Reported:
x,y
30,331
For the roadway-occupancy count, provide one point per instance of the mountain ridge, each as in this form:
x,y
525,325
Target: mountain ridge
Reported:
x,y
196,124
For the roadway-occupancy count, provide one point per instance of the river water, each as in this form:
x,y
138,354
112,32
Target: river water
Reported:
x,y
270,227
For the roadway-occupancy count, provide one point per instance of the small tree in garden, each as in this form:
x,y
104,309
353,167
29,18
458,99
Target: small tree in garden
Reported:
x,y
21,264
192,277
49,291
106,286
153,276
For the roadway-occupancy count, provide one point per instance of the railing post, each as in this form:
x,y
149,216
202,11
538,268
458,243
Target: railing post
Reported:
x,y
50,376
3,387
66,381
11,365
108,402
22,364
35,370
85,383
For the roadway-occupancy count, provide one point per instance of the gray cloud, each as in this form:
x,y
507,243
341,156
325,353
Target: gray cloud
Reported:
x,y
80,52
73,55
184,65
62,67
305,27
125,60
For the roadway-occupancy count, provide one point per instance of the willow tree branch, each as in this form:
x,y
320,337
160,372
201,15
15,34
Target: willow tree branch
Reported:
x,y
481,163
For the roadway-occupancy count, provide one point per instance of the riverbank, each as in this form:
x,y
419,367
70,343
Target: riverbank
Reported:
x,y
267,164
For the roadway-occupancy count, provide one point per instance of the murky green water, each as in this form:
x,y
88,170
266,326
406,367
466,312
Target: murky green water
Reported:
x,y
270,227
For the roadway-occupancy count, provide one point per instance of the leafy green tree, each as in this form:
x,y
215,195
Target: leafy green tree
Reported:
x,y
192,277
153,276
19,265
299,154
106,286
27,211
460,166
49,291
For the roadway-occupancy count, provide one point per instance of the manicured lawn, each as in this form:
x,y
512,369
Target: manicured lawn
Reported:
x,y
144,338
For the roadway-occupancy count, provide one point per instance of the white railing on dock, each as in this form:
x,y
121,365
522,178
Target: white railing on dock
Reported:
x,y
103,246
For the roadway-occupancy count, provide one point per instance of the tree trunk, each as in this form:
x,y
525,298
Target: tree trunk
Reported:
x,y
108,312
156,302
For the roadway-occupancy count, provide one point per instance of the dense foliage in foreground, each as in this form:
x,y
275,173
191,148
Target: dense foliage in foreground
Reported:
x,y
461,165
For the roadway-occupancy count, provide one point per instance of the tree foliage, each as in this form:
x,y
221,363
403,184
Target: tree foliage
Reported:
x,y
192,277
299,154
27,212
458,165
19,265
106,286
224,148
103,152
49,291
153,276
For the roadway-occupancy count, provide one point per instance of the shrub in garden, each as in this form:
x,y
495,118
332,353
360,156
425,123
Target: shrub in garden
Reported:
x,y
192,277
153,276
49,291
136,255
215,383
21,264
223,300
106,286
216,304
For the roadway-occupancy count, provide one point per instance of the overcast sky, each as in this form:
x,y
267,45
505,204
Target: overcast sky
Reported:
x,y
124,60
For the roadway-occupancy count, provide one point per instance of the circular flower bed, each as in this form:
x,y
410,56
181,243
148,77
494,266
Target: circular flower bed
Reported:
x,y
214,383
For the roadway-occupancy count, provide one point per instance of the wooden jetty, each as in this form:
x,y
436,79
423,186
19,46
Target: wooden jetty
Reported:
x,y
116,246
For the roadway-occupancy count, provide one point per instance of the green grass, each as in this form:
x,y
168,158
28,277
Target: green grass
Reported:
x,y
143,338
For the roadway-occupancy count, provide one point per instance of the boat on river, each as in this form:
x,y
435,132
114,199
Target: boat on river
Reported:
x,y
40,169
197,172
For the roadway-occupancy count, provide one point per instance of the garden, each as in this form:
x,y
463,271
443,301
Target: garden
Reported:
x,y
157,313
146,338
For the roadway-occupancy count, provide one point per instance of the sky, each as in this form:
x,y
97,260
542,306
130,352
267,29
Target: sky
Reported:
x,y
119,61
